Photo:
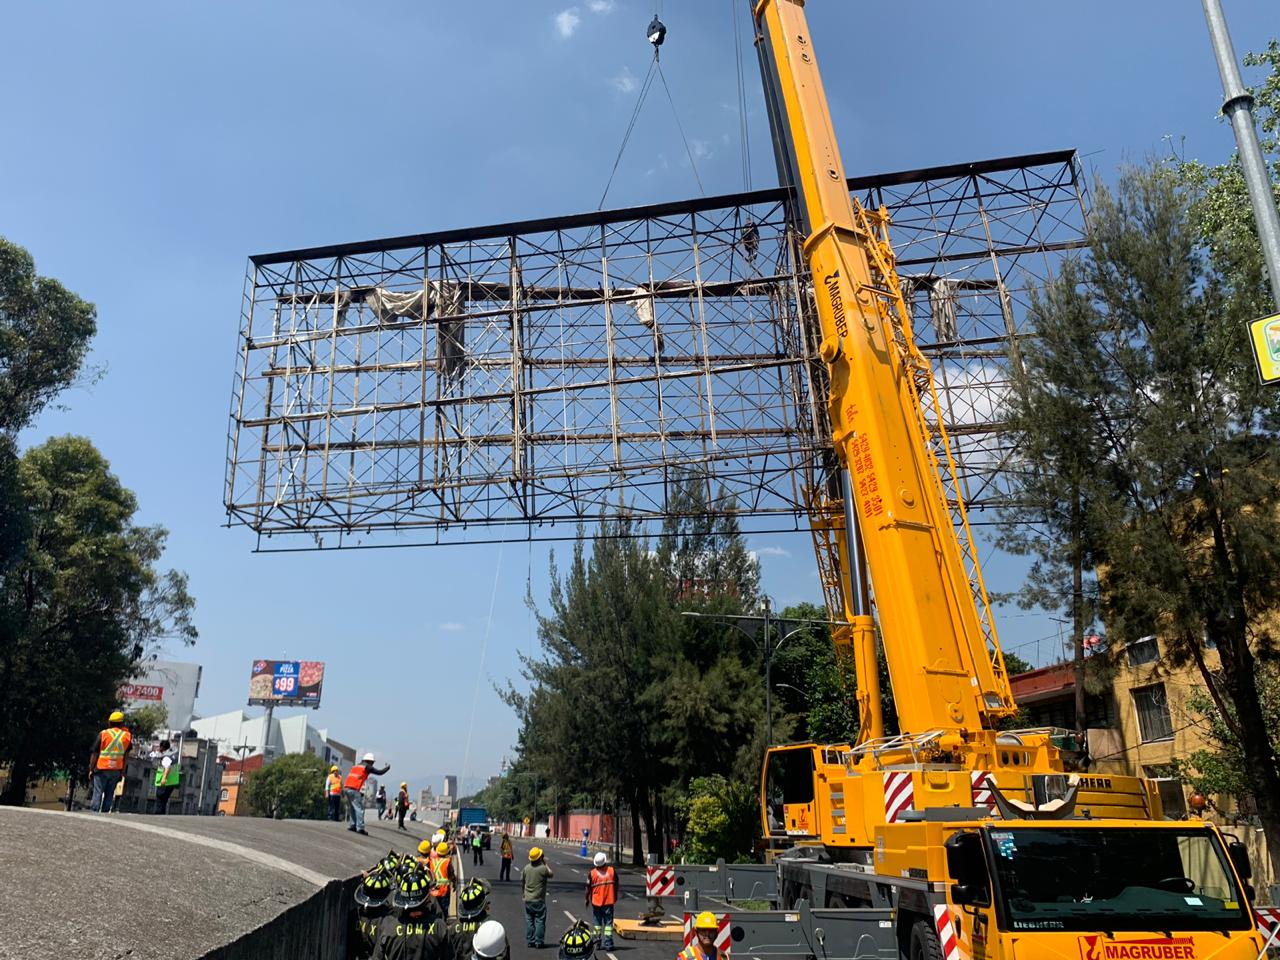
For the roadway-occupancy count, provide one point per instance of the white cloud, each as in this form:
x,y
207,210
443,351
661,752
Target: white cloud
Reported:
x,y
772,552
701,149
452,626
625,82
600,6
567,22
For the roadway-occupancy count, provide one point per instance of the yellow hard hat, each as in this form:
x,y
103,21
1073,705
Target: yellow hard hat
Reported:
x,y
706,920
442,848
333,769
424,847
116,717
403,784
535,853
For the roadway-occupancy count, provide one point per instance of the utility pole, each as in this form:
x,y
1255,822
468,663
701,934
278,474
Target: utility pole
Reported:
x,y
1238,108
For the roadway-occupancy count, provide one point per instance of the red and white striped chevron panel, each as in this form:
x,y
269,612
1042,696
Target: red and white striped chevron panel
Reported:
x,y
659,882
723,939
981,784
1268,919
947,934
899,795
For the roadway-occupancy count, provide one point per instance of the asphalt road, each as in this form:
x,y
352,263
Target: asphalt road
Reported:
x,y
566,898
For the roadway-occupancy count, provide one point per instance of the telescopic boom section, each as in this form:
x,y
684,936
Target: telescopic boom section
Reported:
x,y
947,672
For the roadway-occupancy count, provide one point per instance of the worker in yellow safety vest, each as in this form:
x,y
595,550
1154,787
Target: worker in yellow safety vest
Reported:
x,y
442,878
602,894
107,761
705,929
333,793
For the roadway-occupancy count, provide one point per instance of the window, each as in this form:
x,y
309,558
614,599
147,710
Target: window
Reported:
x,y
1143,650
223,796
1152,705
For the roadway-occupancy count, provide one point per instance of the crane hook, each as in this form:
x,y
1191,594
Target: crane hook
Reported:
x,y
656,33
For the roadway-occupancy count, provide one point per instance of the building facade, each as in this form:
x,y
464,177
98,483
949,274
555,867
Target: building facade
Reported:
x,y
175,685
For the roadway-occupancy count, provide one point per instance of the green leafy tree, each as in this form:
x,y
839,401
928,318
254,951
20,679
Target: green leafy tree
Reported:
x,y
1143,335
79,610
290,788
45,331
722,819
145,721
1220,767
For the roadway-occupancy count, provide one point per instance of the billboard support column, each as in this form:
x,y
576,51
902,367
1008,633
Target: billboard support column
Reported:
x,y
266,732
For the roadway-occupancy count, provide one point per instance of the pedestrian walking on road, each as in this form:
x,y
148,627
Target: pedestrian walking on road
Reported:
x,y
380,798
107,761
353,788
373,899
442,878
333,794
602,894
507,856
402,804
533,887
168,773
477,850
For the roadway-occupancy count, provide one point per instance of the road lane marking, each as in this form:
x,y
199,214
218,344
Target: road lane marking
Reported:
x,y
572,918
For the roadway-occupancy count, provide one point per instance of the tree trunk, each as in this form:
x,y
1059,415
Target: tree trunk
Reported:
x,y
1077,616
15,791
650,827
637,841
1255,742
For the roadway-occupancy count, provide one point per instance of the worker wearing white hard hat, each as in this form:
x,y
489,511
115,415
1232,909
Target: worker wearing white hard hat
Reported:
x,y
602,894
353,790
490,942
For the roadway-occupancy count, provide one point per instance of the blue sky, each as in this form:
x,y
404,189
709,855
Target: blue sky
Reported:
x,y
153,146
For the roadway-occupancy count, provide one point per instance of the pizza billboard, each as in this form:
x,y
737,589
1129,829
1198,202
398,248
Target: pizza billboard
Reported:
x,y
288,682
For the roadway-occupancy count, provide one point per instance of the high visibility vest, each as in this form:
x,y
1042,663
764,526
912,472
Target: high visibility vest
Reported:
x,y
356,778
167,778
604,887
333,786
113,744
440,873
692,952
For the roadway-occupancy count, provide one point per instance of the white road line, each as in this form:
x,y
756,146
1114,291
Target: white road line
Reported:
x,y
611,956
572,918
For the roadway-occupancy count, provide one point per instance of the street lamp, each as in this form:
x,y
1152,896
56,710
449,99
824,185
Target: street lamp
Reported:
x,y
750,625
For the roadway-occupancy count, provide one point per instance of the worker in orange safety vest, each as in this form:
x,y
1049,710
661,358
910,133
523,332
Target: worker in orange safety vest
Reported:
x,y
442,877
107,761
353,788
333,793
705,928
602,894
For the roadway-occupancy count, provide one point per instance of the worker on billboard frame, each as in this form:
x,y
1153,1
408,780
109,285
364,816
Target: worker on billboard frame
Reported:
x,y
353,788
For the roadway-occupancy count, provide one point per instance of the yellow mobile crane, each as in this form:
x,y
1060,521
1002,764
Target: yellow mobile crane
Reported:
x,y
983,843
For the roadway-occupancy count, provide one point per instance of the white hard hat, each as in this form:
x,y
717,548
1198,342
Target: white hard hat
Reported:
x,y
600,859
438,837
490,940
367,758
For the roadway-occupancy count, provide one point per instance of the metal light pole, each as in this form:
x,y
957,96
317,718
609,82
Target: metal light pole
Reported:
x,y
1238,107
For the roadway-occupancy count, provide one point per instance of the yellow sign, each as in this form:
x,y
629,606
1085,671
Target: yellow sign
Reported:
x,y
1264,335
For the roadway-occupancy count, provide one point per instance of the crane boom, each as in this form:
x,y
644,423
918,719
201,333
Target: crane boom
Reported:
x,y
946,669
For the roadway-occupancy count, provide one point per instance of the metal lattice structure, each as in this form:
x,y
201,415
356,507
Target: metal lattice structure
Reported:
x,y
516,381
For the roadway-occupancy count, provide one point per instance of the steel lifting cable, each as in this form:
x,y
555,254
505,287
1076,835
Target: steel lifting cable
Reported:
x,y
743,129
679,126
484,649
626,137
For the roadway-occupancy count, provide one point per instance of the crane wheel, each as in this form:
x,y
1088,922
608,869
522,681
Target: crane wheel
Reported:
x,y
922,942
